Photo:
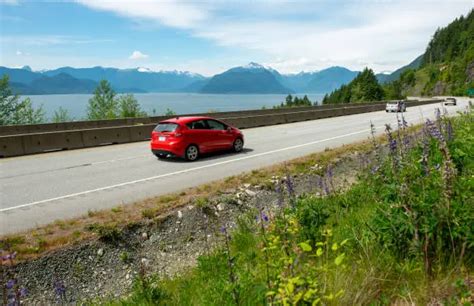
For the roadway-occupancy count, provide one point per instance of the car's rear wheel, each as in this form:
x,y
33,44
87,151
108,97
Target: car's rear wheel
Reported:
x,y
192,153
238,145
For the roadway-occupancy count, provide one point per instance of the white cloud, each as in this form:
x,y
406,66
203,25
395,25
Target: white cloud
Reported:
x,y
296,35
137,55
171,13
19,53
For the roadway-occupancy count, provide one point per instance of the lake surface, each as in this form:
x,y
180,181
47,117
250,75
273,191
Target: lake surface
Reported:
x,y
157,103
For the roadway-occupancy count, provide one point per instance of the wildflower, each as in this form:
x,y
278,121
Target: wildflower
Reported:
x,y
391,141
60,290
289,185
10,283
434,131
223,229
264,216
23,292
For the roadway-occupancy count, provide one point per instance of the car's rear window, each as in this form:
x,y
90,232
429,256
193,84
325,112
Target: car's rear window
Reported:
x,y
166,127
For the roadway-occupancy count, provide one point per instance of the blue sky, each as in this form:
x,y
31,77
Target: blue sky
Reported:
x,y
208,37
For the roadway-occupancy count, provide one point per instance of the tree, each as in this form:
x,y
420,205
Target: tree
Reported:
x,y
14,111
129,107
169,112
61,115
364,87
103,104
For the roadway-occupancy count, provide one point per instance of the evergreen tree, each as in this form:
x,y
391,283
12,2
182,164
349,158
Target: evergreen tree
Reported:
x,y
363,88
103,104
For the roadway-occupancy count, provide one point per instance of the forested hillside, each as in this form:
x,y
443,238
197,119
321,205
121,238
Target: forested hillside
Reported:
x,y
446,68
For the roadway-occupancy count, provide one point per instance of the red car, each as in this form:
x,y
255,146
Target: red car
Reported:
x,y
188,137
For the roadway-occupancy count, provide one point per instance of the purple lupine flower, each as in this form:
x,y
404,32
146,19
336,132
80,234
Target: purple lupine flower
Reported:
x,y
10,283
425,154
326,188
264,216
434,131
60,290
223,229
289,185
391,141
23,292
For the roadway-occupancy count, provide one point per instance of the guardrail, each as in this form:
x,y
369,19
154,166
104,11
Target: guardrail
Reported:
x,y
93,124
31,143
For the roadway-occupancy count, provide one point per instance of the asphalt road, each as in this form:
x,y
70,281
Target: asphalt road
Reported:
x,y
39,189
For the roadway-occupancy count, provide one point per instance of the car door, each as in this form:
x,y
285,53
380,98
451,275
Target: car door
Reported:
x,y
199,134
222,138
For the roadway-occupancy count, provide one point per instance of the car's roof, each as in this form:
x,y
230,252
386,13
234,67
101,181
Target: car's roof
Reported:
x,y
185,119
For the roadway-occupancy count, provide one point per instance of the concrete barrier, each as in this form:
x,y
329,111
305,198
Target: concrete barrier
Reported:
x,y
80,125
30,143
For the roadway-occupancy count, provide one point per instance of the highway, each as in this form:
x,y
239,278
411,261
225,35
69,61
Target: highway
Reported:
x,y
39,189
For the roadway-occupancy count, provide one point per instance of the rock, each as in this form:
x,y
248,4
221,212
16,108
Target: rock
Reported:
x,y
220,207
250,192
190,207
100,252
145,262
239,202
144,236
180,214
246,186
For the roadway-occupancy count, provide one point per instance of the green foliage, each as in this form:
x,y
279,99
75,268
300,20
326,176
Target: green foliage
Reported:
x,y
427,209
364,88
15,111
106,232
366,245
103,104
169,112
448,61
129,107
106,105
61,115
291,101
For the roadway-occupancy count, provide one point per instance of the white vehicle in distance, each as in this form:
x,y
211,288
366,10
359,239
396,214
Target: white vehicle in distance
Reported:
x,y
450,100
396,106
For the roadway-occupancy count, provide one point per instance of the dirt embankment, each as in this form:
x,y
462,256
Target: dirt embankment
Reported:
x,y
165,245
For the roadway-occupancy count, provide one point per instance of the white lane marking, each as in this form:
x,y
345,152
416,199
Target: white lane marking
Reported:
x,y
181,171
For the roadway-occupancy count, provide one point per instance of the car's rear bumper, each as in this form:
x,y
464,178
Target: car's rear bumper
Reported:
x,y
163,149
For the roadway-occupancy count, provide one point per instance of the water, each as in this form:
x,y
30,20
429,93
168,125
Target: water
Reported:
x,y
158,103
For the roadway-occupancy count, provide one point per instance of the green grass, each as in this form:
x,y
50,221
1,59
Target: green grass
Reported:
x,y
389,239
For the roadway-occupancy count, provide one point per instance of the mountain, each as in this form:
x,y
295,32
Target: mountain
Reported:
x,y
298,82
385,78
139,78
58,84
252,78
20,75
329,79
62,84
